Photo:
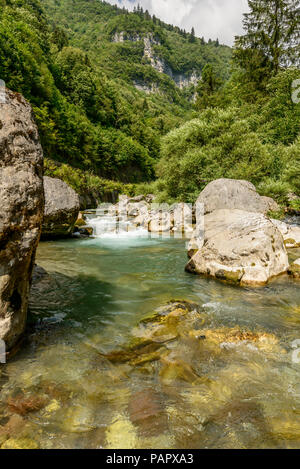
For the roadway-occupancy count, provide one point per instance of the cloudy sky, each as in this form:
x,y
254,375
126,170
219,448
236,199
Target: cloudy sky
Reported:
x,y
210,18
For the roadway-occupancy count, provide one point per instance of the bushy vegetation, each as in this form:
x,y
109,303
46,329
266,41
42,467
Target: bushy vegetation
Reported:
x,y
86,183
89,116
96,126
248,127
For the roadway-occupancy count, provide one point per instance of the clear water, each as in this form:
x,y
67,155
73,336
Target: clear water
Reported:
x,y
98,291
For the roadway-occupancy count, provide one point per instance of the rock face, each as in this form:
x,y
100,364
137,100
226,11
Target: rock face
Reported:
x,y
61,208
159,64
234,194
21,212
243,247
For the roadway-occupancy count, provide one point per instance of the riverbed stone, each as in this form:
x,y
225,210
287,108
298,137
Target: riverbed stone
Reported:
x,y
22,404
147,413
177,370
234,194
20,443
21,212
241,247
61,208
121,434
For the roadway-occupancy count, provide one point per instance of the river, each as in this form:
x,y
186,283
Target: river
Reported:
x,y
98,291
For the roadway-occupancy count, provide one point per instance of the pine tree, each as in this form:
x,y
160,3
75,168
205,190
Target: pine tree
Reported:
x,y
272,35
207,88
193,35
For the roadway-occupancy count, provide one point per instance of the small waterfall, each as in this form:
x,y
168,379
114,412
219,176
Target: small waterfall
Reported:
x,y
110,226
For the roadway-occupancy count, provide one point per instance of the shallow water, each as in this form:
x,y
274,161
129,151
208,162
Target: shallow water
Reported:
x,y
98,291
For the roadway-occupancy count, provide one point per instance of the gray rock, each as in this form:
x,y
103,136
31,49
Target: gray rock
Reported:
x,y
61,209
290,233
243,247
234,194
21,211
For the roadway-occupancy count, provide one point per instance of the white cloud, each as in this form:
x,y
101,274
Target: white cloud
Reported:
x,y
210,18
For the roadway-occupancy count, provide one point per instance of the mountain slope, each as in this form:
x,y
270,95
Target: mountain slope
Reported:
x,y
83,65
135,46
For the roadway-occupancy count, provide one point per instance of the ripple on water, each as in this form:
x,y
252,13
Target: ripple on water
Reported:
x,y
188,394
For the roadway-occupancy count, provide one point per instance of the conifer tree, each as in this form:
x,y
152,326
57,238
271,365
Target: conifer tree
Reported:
x,y
272,36
193,35
207,88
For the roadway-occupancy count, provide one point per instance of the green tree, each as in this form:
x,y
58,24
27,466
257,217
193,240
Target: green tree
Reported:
x,y
207,88
271,40
192,38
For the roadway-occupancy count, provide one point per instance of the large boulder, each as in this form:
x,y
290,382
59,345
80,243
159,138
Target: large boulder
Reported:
x,y
243,247
21,211
234,194
61,209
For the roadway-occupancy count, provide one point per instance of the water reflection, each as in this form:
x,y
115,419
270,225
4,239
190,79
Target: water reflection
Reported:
x,y
64,390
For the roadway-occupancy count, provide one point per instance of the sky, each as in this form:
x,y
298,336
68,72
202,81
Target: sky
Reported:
x,y
211,18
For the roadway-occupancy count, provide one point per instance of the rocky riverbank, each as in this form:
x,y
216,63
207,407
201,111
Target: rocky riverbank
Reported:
x,y
233,238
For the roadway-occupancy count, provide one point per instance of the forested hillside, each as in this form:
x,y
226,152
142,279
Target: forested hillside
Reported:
x,y
122,97
92,113
115,39
248,127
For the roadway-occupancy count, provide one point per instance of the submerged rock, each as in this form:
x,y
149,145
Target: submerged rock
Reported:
x,y
234,194
147,412
61,209
226,338
20,443
21,212
244,248
14,426
173,370
22,404
121,434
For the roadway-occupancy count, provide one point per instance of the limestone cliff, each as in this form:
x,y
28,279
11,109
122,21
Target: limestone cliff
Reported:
x,y
159,64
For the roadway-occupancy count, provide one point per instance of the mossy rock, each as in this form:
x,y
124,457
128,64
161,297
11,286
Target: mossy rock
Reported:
x,y
192,252
80,222
230,275
3,438
174,309
139,352
20,443
290,242
177,370
294,270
